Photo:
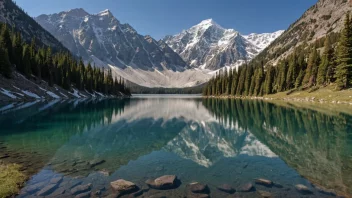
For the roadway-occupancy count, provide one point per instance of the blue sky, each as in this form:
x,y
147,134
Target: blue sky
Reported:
x,y
167,17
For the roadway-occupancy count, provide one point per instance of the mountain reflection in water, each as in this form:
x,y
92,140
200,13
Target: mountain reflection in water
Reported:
x,y
205,140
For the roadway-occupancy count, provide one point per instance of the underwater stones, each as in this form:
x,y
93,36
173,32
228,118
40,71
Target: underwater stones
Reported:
x,y
140,192
248,187
123,186
303,189
94,163
226,188
163,183
198,188
35,187
56,180
47,190
264,182
195,195
81,189
264,194
83,195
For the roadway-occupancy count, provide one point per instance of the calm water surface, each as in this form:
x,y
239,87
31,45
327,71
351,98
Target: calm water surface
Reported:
x,y
209,141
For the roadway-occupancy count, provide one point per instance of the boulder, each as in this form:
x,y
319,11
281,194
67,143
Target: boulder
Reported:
x,y
248,187
123,186
199,188
47,190
303,189
264,182
81,189
226,188
163,183
264,194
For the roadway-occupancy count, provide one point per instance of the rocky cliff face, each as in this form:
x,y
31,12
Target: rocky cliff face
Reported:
x,y
325,17
210,46
14,16
101,36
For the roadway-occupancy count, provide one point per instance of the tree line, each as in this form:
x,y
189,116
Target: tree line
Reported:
x,y
59,68
306,68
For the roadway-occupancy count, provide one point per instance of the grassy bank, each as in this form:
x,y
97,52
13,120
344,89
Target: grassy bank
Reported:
x,y
324,95
11,179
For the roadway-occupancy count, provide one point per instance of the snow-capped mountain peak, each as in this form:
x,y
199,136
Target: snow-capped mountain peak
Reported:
x,y
207,45
105,12
205,24
263,40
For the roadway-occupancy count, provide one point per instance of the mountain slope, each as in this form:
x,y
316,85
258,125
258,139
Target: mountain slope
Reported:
x,y
12,15
210,46
103,37
325,17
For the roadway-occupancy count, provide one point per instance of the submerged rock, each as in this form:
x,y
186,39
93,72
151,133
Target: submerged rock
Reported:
x,y
264,194
226,188
264,182
195,195
83,195
199,188
94,163
303,189
248,187
163,183
81,189
123,186
47,190
56,180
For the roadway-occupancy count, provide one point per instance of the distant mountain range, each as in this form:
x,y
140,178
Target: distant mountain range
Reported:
x,y
210,46
184,60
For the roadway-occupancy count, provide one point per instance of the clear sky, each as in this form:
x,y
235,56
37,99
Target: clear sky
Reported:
x,y
167,17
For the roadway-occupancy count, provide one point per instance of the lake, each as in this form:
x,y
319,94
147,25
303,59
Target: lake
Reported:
x,y
70,144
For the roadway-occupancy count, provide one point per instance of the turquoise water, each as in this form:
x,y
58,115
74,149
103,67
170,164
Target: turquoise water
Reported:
x,y
210,141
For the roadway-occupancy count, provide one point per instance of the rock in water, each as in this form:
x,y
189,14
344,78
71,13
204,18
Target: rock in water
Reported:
x,y
123,186
94,163
198,196
264,194
226,188
303,189
163,183
264,182
83,195
199,188
47,190
56,180
248,187
81,189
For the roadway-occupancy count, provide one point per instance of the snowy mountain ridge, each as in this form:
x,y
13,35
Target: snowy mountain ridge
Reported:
x,y
188,59
208,45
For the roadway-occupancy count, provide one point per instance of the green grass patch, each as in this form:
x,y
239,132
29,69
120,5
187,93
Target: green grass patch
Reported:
x,y
11,179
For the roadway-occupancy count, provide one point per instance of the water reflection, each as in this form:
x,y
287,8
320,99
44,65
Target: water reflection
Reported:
x,y
204,140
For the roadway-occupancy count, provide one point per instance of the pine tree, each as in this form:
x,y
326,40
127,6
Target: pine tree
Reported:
x,y
312,68
26,63
344,58
5,65
6,42
325,62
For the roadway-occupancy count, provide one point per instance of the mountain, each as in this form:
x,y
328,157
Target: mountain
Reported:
x,y
102,39
14,16
101,36
323,18
210,46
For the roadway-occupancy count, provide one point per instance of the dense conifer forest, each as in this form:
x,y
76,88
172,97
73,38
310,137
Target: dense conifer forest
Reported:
x,y
311,66
59,68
